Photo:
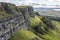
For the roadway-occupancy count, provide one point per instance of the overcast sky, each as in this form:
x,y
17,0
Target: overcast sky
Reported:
x,y
47,2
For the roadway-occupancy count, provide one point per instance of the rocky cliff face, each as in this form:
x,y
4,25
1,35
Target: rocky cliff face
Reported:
x,y
12,19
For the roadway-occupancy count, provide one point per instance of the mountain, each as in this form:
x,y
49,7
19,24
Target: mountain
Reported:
x,y
13,18
23,23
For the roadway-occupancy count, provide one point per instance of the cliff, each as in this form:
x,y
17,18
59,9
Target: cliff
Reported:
x,y
13,18
21,23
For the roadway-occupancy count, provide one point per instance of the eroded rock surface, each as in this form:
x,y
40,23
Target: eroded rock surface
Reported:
x,y
11,24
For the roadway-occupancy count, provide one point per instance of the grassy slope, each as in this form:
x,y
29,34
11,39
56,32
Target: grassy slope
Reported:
x,y
34,21
28,35
57,24
52,34
24,35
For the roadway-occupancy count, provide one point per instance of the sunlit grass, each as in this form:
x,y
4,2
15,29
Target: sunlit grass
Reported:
x,y
24,35
28,35
53,34
34,21
57,24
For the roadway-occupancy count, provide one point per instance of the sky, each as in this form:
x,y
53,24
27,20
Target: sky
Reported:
x,y
44,3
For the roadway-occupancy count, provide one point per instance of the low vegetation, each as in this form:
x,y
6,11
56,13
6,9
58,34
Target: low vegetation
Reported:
x,y
39,29
24,35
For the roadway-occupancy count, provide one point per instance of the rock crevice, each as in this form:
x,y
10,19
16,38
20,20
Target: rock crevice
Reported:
x,y
11,24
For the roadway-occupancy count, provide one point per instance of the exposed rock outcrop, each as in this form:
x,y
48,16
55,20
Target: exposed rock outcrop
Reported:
x,y
11,24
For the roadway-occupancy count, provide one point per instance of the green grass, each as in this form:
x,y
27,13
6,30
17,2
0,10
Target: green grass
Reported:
x,y
53,34
24,35
34,21
57,24
28,35
4,14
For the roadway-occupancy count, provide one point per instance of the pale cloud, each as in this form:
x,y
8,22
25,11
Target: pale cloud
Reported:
x,y
26,2
33,1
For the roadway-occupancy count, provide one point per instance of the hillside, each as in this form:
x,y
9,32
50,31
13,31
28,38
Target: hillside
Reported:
x,y
22,23
42,26
12,19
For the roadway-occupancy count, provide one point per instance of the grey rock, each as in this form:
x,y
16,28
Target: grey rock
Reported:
x,y
19,20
